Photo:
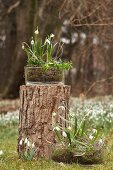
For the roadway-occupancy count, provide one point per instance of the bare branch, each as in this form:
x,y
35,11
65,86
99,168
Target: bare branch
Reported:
x,y
13,7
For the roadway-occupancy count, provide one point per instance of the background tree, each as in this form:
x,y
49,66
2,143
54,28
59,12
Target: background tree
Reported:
x,y
85,27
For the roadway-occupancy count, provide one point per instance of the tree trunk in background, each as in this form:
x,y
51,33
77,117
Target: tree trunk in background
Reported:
x,y
17,22
15,26
18,19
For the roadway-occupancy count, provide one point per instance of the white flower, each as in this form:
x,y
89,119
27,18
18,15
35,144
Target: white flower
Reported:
x,y
23,47
25,141
65,40
47,41
61,107
74,37
21,141
37,31
1,152
56,128
32,42
64,29
90,137
66,22
28,143
54,114
33,145
64,134
52,35
95,40
69,128
94,131
82,35
101,141
73,40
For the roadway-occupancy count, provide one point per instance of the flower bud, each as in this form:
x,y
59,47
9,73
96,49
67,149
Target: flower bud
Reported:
x,y
33,145
37,32
32,42
21,141
28,144
91,137
64,134
23,47
52,35
25,140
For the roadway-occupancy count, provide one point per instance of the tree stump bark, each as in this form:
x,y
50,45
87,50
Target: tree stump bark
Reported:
x,y
37,103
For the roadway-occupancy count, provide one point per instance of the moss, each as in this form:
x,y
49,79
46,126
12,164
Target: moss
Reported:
x,y
67,156
38,74
62,155
94,157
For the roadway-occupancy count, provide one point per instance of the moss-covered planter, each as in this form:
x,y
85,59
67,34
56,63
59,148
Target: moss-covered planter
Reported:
x,y
67,156
38,75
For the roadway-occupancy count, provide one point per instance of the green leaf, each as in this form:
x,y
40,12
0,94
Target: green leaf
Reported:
x,y
68,136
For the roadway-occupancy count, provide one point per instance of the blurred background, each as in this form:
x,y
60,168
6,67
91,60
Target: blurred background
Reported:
x,y
85,28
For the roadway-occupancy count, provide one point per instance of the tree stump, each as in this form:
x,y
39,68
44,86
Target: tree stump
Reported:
x,y
37,103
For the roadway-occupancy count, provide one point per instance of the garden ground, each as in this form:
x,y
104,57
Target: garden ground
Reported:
x,y
9,160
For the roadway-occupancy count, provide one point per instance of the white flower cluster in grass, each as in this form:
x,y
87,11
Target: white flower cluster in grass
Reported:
x,y
26,142
99,112
9,118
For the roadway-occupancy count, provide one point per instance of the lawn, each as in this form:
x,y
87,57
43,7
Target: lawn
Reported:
x,y
10,161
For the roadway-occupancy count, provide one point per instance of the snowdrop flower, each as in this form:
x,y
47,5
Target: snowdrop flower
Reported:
x,y
61,107
25,141
94,130
47,41
1,152
73,40
83,38
37,31
101,141
56,128
66,22
32,42
74,37
69,128
91,137
95,40
23,47
52,35
28,143
82,35
100,144
110,115
65,40
33,145
64,134
21,141
64,29
54,114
